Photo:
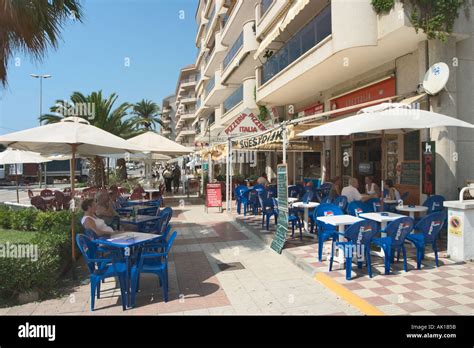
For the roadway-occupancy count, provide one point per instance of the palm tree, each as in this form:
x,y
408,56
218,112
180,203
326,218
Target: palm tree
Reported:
x,y
101,113
146,114
32,27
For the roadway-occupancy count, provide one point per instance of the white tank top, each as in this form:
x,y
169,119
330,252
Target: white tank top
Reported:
x,y
99,223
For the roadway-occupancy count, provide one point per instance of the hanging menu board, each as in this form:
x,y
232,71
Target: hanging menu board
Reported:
x,y
410,174
279,240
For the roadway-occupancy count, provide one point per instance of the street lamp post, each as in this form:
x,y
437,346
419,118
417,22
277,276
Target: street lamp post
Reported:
x,y
41,77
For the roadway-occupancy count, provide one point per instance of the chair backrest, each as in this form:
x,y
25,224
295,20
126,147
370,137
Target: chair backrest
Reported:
x,y
301,190
374,204
399,229
170,242
239,189
293,191
259,186
308,196
275,204
165,217
325,189
355,208
88,250
434,203
431,225
38,202
262,196
90,233
327,209
46,193
341,202
326,200
362,232
273,190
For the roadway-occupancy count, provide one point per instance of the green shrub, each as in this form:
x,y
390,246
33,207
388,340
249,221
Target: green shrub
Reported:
x,y
23,219
383,6
5,217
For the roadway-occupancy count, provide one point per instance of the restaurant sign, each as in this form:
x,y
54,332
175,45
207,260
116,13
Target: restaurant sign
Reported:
x,y
279,239
428,167
262,139
245,123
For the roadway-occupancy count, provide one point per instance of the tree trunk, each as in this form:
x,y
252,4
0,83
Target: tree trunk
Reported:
x,y
121,170
96,172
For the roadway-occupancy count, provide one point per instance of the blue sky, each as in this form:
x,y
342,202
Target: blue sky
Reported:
x,y
151,33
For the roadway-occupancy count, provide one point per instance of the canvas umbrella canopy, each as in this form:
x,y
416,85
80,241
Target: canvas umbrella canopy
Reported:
x,y
12,156
72,136
392,118
158,144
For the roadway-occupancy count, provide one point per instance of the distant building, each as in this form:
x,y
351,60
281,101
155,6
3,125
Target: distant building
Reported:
x,y
168,116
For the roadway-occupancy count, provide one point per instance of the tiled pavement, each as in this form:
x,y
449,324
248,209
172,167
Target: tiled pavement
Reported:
x,y
206,245
447,290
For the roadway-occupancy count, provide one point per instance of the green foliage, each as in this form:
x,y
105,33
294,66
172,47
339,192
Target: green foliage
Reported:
x,y
383,6
435,17
263,112
53,240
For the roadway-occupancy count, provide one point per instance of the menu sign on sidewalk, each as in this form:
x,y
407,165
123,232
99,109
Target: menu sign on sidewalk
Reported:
x,y
214,196
279,240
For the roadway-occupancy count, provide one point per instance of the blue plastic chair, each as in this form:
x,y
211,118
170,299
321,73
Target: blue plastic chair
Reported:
x,y
396,231
325,189
155,263
404,196
272,191
325,231
355,208
293,218
101,268
434,203
238,196
341,202
158,226
301,190
374,204
326,200
428,230
293,191
308,196
266,205
359,236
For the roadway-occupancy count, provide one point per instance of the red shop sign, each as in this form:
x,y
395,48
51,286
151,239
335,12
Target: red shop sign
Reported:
x,y
314,109
214,196
379,90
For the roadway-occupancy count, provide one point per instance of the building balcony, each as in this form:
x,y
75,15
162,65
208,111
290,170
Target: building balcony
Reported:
x,y
188,99
242,12
241,99
239,63
215,57
165,131
185,132
166,120
327,51
267,14
216,92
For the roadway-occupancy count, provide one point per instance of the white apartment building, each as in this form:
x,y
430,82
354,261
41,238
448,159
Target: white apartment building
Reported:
x,y
186,105
321,55
226,45
168,117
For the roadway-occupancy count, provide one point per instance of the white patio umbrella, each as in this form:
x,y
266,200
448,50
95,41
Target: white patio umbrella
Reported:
x,y
158,144
392,118
12,156
72,136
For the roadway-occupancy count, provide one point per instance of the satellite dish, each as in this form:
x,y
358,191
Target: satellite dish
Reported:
x,y
436,78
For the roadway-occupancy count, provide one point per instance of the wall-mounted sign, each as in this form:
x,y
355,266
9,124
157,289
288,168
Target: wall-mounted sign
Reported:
x,y
428,167
379,90
312,110
245,123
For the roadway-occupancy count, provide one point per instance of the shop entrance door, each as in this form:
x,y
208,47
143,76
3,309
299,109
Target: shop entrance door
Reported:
x,y
367,161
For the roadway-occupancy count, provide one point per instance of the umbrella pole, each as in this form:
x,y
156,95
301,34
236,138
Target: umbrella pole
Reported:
x,y
16,175
383,170
73,215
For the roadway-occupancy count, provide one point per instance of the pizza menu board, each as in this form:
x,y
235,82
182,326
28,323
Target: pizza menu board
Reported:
x,y
213,196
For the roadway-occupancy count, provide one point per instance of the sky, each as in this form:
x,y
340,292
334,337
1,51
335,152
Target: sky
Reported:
x,y
156,38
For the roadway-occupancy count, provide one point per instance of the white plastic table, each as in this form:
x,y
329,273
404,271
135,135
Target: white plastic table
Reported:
x,y
340,221
292,200
306,207
413,210
151,191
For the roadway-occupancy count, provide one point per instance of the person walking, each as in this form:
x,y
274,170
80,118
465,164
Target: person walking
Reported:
x,y
168,176
176,178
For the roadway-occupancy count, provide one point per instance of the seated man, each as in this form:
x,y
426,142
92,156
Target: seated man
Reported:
x,y
92,222
352,193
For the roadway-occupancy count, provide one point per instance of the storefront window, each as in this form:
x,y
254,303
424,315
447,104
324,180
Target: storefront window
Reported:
x,y
412,146
312,165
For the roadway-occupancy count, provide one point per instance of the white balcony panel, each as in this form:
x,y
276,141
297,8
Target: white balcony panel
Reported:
x,y
243,12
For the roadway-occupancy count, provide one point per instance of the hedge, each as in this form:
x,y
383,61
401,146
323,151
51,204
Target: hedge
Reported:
x,y
53,241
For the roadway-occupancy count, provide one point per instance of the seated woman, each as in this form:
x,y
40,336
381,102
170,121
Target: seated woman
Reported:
x,y
335,188
92,222
392,193
105,207
371,188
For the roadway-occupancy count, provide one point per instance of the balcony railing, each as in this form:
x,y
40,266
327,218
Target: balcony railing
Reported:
x,y
198,103
211,16
234,49
309,36
210,85
235,98
265,5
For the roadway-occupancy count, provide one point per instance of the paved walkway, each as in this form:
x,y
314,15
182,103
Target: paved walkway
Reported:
x,y
216,267
447,290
